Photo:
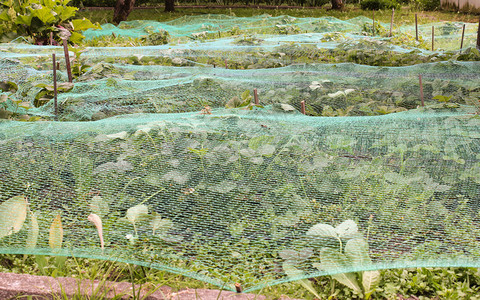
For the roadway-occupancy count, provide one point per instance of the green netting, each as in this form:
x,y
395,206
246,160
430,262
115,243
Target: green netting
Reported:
x,y
255,196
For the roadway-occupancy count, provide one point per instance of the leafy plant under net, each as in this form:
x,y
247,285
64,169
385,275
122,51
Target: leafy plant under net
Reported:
x,y
175,167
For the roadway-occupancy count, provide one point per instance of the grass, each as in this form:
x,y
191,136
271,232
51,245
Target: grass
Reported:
x,y
404,16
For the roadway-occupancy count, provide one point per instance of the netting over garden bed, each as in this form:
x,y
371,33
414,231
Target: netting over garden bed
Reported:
x,y
187,175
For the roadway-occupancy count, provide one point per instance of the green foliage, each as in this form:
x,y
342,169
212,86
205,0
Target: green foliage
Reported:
x,y
428,5
37,19
379,4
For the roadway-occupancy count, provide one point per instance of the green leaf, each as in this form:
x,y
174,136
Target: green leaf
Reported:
x,y
347,228
76,37
99,206
322,230
32,236
136,212
44,14
8,86
83,24
334,261
65,87
160,224
259,141
370,280
24,20
65,12
246,95
293,272
4,16
55,239
356,251
13,213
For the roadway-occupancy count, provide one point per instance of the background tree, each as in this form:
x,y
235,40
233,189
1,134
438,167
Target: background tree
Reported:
x,y
337,4
169,5
122,9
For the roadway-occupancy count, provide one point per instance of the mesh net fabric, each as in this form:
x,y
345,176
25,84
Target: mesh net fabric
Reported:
x,y
240,195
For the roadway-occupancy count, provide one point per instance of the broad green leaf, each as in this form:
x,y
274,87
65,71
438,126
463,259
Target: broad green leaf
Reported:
x,y
76,37
66,12
293,272
370,280
136,212
44,14
260,141
55,239
13,213
347,228
334,261
4,16
160,224
83,24
322,230
246,95
24,20
32,236
356,251
8,86
99,206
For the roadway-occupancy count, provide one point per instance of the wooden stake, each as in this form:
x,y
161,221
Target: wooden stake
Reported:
x,y
255,96
478,35
373,19
226,64
51,38
416,28
391,22
302,107
55,86
463,35
433,38
238,287
421,90
67,60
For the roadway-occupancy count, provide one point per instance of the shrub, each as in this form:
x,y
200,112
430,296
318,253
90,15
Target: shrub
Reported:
x,y
427,4
37,19
379,4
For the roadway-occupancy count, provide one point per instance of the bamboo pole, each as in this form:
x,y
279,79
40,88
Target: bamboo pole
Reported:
x,y
416,27
433,38
55,86
463,35
302,107
67,60
391,22
421,90
478,35
255,96
373,19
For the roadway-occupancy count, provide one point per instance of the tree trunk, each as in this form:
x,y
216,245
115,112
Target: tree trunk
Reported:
x,y
337,4
169,5
122,9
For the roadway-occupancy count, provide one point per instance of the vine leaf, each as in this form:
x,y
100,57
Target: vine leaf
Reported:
x,y
13,213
